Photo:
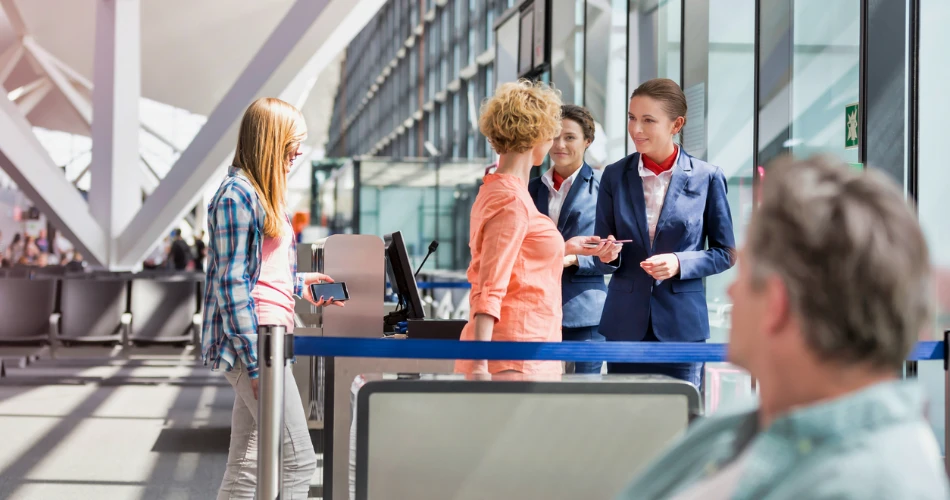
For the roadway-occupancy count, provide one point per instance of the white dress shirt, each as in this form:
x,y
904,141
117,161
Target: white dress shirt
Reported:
x,y
556,197
654,193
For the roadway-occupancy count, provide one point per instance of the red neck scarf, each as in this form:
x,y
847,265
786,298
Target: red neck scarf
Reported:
x,y
658,169
558,180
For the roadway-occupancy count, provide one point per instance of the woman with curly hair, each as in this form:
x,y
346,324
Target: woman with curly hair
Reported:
x,y
517,252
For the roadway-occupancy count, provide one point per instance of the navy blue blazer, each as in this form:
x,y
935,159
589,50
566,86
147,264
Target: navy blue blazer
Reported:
x,y
695,213
582,287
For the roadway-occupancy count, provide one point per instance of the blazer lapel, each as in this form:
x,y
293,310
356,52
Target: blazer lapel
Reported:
x,y
580,182
681,172
540,196
635,191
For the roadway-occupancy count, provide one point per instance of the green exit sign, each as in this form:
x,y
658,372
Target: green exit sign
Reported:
x,y
851,127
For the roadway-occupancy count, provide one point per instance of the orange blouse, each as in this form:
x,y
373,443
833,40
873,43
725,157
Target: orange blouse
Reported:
x,y
517,262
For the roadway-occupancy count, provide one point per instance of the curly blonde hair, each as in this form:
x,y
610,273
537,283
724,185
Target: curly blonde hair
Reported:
x,y
520,115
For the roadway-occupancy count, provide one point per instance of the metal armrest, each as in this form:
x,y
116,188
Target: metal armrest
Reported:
x,y
125,328
196,320
54,325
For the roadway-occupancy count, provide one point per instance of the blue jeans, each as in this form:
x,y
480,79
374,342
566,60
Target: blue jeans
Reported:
x,y
689,372
584,334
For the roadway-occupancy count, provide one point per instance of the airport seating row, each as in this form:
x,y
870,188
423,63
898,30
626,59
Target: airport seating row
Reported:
x,y
102,308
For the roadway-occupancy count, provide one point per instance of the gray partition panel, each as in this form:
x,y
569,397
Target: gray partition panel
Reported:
x,y
162,310
92,309
580,437
25,308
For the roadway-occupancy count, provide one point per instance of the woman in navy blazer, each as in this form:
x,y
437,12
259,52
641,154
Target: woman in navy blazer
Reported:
x,y
674,208
567,193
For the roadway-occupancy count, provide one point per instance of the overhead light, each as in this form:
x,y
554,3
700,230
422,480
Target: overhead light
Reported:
x,y
469,72
431,149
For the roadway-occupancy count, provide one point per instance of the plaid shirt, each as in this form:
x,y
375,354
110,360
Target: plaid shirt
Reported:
x,y
236,226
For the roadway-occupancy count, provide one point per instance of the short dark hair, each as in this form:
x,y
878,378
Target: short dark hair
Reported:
x,y
668,93
581,116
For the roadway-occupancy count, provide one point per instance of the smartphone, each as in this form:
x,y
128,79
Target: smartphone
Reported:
x,y
326,290
594,245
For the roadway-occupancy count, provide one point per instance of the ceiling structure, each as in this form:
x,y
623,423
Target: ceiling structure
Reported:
x,y
192,51
193,55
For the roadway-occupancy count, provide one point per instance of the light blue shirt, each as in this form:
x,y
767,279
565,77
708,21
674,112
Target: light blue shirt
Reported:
x,y
873,444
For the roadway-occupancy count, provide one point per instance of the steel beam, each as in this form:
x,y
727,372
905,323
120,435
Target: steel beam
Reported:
x,y
181,187
115,190
11,57
34,95
26,161
14,17
47,64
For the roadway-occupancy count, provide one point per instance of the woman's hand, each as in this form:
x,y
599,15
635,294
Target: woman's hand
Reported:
x,y
662,267
594,246
585,245
569,261
312,278
611,251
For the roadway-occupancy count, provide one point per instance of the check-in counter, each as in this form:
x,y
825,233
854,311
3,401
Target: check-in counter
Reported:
x,y
359,261
574,436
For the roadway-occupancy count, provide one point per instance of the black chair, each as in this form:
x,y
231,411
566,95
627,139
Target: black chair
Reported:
x,y
93,311
164,310
26,307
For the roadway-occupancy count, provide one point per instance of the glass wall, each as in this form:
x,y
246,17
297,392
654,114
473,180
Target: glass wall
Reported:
x,y
809,78
654,29
567,48
407,76
933,183
424,213
605,85
718,80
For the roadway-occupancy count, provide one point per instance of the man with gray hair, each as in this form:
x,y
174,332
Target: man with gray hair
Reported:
x,y
833,289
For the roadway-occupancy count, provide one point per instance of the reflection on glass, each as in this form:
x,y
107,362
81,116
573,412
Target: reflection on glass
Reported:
x,y
567,49
605,87
719,63
506,53
654,31
809,74
825,76
402,196
933,185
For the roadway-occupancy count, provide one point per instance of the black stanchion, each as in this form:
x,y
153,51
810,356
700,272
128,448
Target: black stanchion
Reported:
x,y
946,398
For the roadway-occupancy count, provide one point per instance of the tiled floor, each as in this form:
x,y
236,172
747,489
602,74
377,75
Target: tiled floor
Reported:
x,y
96,424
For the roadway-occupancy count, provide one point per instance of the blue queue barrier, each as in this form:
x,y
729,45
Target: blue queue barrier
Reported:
x,y
615,352
432,285
620,352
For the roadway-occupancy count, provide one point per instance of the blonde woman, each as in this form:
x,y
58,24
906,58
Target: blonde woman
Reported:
x,y
252,279
517,252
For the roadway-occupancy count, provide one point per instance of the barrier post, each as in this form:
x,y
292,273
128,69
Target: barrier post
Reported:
x,y
271,341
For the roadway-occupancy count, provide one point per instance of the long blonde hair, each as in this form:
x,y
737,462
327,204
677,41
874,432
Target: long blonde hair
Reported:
x,y
271,131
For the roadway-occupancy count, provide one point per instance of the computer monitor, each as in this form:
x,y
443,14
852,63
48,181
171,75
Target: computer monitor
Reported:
x,y
403,281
